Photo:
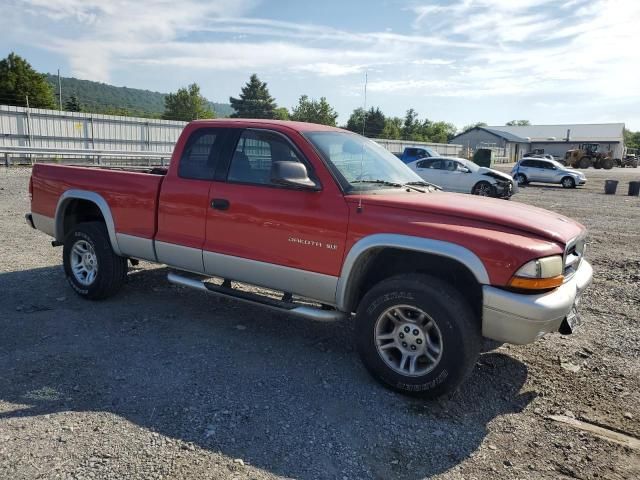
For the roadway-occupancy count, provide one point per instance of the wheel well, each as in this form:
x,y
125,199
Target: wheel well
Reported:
x,y
79,211
387,262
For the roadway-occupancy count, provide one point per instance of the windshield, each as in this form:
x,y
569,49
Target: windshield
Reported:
x,y
556,164
474,167
431,152
363,163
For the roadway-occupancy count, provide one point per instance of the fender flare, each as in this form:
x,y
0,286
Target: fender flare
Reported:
x,y
377,241
92,197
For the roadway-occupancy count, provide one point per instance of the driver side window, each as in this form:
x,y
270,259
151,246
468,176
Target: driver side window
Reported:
x,y
254,155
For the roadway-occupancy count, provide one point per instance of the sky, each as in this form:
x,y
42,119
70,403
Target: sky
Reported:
x,y
460,61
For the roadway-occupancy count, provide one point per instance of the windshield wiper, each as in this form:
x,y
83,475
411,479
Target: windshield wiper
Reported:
x,y
380,182
411,185
423,184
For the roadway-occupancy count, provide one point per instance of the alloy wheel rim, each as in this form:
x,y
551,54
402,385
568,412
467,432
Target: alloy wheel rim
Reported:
x,y
84,262
408,340
483,190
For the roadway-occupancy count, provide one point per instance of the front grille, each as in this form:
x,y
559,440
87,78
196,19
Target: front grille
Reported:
x,y
573,255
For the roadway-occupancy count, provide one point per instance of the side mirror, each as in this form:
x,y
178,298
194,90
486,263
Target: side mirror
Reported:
x,y
292,174
466,170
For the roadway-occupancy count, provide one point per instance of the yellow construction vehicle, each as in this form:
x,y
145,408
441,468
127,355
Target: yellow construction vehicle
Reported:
x,y
588,156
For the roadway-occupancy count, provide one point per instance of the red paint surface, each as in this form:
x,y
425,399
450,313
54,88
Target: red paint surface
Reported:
x,y
267,224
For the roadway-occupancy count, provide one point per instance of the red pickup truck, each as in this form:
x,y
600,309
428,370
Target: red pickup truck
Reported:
x,y
337,228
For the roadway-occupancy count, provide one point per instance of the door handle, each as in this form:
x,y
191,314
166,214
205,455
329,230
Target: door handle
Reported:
x,y
220,204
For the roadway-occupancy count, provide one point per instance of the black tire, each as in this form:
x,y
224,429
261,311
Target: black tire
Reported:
x,y
568,182
597,165
585,162
520,178
457,327
111,269
483,189
607,163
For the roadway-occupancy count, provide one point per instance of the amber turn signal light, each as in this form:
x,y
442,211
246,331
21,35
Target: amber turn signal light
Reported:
x,y
536,283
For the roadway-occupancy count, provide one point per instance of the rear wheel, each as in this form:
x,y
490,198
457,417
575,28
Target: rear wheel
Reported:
x,y
483,189
520,178
568,182
92,268
416,334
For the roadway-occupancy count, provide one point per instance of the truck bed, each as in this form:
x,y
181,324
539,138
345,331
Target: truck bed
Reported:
x,y
131,193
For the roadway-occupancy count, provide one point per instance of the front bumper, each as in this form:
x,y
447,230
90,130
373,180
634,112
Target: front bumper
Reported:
x,y
505,189
520,318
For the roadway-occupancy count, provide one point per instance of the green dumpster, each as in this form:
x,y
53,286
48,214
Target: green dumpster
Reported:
x,y
483,157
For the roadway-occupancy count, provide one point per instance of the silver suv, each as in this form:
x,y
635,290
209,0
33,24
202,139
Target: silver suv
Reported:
x,y
546,171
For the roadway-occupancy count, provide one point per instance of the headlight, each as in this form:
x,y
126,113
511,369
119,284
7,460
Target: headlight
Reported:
x,y
540,274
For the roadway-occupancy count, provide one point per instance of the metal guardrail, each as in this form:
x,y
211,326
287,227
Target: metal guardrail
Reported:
x,y
99,156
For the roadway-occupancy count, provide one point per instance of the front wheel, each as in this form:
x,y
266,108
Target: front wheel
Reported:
x,y
417,335
568,182
483,189
585,162
92,268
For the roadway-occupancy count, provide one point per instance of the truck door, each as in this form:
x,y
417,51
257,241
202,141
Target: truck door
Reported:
x,y
285,238
184,198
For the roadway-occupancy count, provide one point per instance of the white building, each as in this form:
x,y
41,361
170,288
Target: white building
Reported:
x,y
553,139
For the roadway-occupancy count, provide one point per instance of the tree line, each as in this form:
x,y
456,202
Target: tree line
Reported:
x,y
20,83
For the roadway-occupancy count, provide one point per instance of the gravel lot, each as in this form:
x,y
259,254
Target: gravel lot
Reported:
x,y
162,382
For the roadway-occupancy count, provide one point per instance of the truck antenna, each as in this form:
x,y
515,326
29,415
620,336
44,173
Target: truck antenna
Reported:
x,y
364,123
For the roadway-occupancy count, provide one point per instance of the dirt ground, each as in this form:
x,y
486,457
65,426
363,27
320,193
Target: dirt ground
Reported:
x,y
162,382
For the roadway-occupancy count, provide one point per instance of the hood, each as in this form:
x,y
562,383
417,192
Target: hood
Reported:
x,y
495,174
514,215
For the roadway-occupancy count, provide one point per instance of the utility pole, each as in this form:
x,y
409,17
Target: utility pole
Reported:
x,y
59,90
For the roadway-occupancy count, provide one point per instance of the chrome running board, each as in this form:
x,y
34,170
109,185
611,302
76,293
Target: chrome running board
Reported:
x,y
305,311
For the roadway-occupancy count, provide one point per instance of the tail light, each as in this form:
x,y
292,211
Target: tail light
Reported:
x,y
30,189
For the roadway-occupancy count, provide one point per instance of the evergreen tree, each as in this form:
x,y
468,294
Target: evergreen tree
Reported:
x,y
186,104
411,128
314,111
18,80
374,125
73,104
518,123
254,101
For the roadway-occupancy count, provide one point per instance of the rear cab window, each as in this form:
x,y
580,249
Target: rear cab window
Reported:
x,y
202,153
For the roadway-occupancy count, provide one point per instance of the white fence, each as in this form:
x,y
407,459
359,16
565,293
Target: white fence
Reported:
x,y
53,129
40,128
398,146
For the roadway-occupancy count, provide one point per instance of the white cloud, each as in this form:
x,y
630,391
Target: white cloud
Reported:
x,y
534,47
538,50
98,36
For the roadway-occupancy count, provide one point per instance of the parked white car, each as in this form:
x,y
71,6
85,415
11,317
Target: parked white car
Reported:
x,y
464,176
546,171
